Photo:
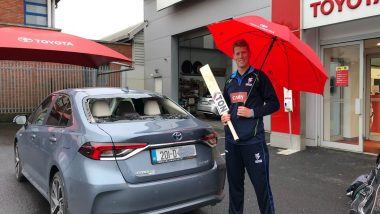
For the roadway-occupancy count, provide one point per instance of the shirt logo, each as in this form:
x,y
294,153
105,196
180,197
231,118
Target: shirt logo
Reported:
x,y
258,160
249,83
238,97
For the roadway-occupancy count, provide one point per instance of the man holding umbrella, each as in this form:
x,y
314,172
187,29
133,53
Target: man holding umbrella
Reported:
x,y
250,96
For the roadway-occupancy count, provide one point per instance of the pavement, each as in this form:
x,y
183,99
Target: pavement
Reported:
x,y
312,181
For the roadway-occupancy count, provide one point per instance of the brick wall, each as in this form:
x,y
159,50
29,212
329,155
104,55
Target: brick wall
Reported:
x,y
125,49
12,11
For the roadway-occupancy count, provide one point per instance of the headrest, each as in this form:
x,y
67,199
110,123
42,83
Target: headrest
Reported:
x,y
100,108
151,107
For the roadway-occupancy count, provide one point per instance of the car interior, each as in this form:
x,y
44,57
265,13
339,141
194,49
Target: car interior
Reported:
x,y
126,109
101,110
116,108
151,108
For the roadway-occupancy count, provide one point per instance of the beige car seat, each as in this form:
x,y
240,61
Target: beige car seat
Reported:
x,y
151,107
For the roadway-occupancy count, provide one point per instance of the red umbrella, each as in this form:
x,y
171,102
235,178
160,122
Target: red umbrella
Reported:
x,y
286,60
28,44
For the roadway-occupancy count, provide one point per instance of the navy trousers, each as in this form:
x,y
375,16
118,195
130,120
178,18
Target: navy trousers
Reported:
x,y
255,159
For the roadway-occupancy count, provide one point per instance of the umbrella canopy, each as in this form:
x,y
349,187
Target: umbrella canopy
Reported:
x,y
28,44
286,60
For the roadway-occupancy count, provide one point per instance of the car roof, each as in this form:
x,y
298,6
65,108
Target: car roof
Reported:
x,y
105,91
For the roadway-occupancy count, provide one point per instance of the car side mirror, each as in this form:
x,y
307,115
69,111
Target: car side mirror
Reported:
x,y
20,119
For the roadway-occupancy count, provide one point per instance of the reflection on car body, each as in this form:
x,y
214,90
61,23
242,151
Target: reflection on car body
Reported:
x,y
109,150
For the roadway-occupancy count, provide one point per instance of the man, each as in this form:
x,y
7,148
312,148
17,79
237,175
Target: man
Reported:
x,y
250,95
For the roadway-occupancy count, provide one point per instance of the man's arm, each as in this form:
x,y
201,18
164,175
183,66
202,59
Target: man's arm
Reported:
x,y
269,96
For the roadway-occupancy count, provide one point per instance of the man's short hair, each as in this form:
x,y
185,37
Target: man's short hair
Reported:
x,y
240,43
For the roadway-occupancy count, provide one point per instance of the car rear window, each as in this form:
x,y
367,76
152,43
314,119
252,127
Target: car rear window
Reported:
x,y
111,109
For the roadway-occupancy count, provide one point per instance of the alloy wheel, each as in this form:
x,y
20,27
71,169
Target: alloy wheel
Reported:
x,y
57,197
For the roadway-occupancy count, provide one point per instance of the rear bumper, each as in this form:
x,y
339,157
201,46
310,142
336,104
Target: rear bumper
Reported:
x,y
177,194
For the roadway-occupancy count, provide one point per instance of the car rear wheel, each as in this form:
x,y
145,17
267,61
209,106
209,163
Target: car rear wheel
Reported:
x,y
18,166
58,202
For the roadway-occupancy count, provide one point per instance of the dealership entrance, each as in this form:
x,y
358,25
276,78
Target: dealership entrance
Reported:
x,y
351,115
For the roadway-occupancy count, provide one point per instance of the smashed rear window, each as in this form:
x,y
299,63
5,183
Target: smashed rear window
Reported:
x,y
111,109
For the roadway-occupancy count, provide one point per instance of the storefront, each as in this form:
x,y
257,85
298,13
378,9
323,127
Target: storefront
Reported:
x,y
177,43
346,34
195,49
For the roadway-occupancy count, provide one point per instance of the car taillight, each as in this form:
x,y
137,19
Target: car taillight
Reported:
x,y
211,139
99,151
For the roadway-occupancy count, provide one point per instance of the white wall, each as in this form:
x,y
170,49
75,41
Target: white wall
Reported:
x,y
134,79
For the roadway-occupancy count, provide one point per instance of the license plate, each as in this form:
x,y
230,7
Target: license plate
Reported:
x,y
173,154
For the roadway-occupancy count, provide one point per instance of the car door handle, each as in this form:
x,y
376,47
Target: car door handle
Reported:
x,y
53,139
33,136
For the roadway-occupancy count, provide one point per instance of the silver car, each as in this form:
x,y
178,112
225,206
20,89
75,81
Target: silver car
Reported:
x,y
114,150
207,106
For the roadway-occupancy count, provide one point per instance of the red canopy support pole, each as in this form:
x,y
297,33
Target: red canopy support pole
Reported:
x,y
286,126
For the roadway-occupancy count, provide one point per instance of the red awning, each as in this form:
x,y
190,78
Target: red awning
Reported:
x,y
28,44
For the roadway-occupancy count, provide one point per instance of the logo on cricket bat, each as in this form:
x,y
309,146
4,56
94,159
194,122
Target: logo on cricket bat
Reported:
x,y
220,102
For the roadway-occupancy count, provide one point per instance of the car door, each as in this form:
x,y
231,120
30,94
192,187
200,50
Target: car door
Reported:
x,y
59,118
29,146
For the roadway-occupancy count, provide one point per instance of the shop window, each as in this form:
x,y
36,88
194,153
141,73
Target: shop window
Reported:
x,y
196,49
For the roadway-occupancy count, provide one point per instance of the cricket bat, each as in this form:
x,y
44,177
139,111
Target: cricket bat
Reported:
x,y
217,96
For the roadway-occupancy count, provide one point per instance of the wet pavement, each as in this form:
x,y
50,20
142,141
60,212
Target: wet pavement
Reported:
x,y
310,181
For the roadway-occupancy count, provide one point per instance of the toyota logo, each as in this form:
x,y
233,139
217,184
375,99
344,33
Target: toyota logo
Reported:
x,y
177,136
24,39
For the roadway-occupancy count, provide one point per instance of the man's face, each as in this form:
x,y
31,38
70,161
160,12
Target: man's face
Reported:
x,y
241,56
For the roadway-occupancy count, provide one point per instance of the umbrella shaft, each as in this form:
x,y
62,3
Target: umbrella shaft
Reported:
x,y
270,48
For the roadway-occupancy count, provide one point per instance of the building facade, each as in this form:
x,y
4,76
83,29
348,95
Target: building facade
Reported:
x,y
38,13
23,85
177,42
346,34
134,36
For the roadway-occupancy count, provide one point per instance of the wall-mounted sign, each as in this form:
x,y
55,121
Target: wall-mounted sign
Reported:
x,y
161,4
323,12
341,76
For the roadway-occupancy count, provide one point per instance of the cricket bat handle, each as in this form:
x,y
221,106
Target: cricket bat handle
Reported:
x,y
232,129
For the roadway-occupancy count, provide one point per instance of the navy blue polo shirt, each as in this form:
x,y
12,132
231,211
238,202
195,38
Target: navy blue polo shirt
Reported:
x,y
254,90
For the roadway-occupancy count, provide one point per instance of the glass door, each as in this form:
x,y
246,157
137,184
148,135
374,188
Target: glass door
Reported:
x,y
342,99
373,98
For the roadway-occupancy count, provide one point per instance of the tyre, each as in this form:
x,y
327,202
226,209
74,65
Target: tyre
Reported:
x,y
57,196
18,166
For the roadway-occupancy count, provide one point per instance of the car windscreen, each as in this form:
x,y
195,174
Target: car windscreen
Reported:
x,y
120,108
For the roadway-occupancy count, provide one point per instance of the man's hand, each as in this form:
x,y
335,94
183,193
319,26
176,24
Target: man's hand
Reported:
x,y
225,118
244,112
